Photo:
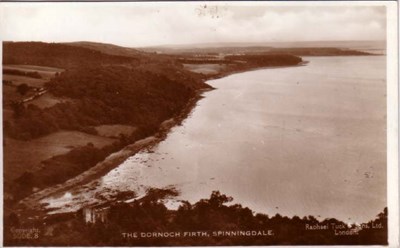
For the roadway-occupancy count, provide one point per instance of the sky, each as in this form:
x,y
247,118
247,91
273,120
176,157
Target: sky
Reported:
x,y
150,24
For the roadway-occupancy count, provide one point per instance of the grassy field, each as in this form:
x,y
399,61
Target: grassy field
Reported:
x,y
113,131
45,72
207,69
17,80
20,156
47,100
33,68
10,92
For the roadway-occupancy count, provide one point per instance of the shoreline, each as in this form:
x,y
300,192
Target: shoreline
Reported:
x,y
113,160
229,73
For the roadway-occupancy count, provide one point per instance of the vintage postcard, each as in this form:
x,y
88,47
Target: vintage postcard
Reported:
x,y
199,123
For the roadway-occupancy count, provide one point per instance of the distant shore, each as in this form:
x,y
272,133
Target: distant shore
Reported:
x,y
228,73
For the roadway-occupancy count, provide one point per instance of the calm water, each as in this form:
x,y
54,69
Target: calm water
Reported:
x,y
295,141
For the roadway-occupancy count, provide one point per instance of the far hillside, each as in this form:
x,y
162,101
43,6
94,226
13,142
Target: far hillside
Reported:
x,y
311,48
108,48
58,55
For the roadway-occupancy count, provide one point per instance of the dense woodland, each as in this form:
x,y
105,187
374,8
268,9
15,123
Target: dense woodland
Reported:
x,y
214,214
105,95
102,89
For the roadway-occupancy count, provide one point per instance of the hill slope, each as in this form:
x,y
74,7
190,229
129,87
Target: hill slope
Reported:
x,y
102,89
58,55
108,48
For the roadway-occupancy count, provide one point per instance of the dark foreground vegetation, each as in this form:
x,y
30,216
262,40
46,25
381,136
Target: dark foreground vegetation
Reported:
x,y
207,222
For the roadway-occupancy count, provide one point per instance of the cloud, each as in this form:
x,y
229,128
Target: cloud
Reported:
x,y
139,24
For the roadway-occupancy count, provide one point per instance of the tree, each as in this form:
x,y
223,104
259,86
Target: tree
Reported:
x,y
18,109
22,89
26,180
12,220
217,199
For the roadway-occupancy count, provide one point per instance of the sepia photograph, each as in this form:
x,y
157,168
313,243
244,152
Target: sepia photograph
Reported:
x,y
199,123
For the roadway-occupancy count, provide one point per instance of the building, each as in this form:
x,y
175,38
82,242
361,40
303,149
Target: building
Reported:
x,y
95,214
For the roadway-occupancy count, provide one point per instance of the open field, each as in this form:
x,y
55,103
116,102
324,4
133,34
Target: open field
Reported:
x,y
205,68
44,71
17,80
33,68
47,100
10,93
20,156
113,131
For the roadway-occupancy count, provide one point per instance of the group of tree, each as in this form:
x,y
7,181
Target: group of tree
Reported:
x,y
22,89
103,95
